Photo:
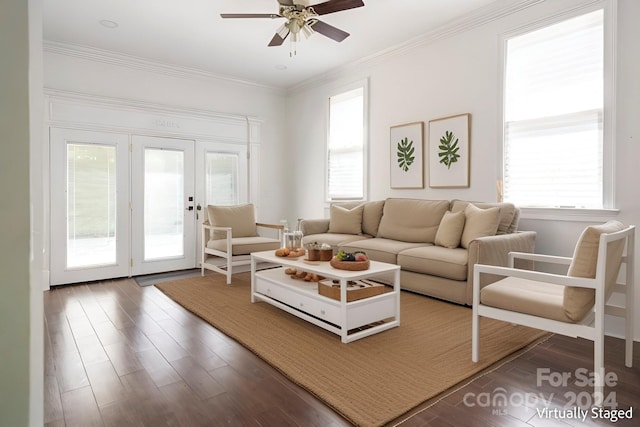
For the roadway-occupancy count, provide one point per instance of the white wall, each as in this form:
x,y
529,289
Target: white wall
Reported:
x,y
85,72
456,74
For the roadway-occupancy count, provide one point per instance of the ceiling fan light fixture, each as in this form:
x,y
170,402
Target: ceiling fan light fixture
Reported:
x,y
301,18
306,30
283,31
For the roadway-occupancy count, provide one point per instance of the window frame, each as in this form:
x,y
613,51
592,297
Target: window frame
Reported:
x,y
609,8
337,91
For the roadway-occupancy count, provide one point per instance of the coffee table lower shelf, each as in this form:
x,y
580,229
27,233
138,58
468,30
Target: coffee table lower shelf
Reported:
x,y
350,320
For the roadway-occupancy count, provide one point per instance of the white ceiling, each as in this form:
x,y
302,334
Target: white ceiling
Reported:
x,y
191,34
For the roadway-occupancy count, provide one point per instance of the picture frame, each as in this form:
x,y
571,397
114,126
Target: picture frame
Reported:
x,y
406,161
449,152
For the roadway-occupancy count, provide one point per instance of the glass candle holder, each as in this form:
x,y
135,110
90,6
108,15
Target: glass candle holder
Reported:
x,y
293,240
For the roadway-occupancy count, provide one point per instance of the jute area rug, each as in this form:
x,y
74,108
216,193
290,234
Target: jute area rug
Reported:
x,y
370,381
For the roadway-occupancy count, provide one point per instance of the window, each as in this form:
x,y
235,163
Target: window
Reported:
x,y
346,145
554,97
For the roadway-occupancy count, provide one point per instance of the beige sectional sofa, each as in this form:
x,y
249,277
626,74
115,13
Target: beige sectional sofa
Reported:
x,y
435,242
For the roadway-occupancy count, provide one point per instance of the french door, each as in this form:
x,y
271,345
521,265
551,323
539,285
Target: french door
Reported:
x,y
90,221
162,205
221,171
126,205
120,205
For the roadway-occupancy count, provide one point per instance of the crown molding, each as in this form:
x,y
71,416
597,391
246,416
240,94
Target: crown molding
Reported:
x,y
143,64
132,104
465,23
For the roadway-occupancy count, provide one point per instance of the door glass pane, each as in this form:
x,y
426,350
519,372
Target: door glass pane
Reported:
x,y
91,205
222,178
164,203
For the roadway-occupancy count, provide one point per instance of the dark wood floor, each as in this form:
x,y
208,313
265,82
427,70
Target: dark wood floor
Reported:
x,y
120,354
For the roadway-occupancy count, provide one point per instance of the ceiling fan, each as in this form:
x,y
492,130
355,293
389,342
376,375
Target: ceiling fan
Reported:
x,y
302,19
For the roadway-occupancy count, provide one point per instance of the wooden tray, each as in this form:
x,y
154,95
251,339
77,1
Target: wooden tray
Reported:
x,y
356,290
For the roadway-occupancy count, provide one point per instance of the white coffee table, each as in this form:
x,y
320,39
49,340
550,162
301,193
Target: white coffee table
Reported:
x,y
302,299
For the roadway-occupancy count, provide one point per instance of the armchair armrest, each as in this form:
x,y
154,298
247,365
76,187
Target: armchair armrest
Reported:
x,y
278,227
207,229
207,226
550,259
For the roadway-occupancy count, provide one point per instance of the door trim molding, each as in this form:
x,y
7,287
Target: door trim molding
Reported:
x,y
130,116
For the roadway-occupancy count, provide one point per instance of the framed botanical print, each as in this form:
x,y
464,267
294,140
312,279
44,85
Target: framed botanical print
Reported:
x,y
449,152
407,155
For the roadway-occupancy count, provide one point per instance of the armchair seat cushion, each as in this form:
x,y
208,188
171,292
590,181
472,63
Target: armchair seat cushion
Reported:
x,y
245,245
526,296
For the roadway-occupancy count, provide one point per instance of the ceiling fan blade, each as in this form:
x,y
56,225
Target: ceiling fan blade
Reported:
x,y
332,6
328,30
250,15
277,40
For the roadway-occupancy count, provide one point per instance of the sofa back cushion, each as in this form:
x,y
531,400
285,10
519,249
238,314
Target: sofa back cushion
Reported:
x,y
345,221
412,220
509,214
241,218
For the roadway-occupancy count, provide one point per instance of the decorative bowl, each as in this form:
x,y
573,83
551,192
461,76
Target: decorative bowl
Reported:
x,y
349,265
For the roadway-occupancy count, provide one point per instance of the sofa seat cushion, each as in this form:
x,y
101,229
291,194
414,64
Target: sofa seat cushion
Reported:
x,y
412,220
436,261
379,249
245,245
526,296
333,239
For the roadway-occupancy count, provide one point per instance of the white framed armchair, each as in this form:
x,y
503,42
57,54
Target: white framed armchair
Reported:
x,y
574,304
230,235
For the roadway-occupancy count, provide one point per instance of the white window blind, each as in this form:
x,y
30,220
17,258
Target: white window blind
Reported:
x,y
553,115
345,154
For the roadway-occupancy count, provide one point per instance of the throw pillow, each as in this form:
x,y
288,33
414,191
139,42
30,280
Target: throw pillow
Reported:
x,y
345,221
450,229
479,223
241,218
